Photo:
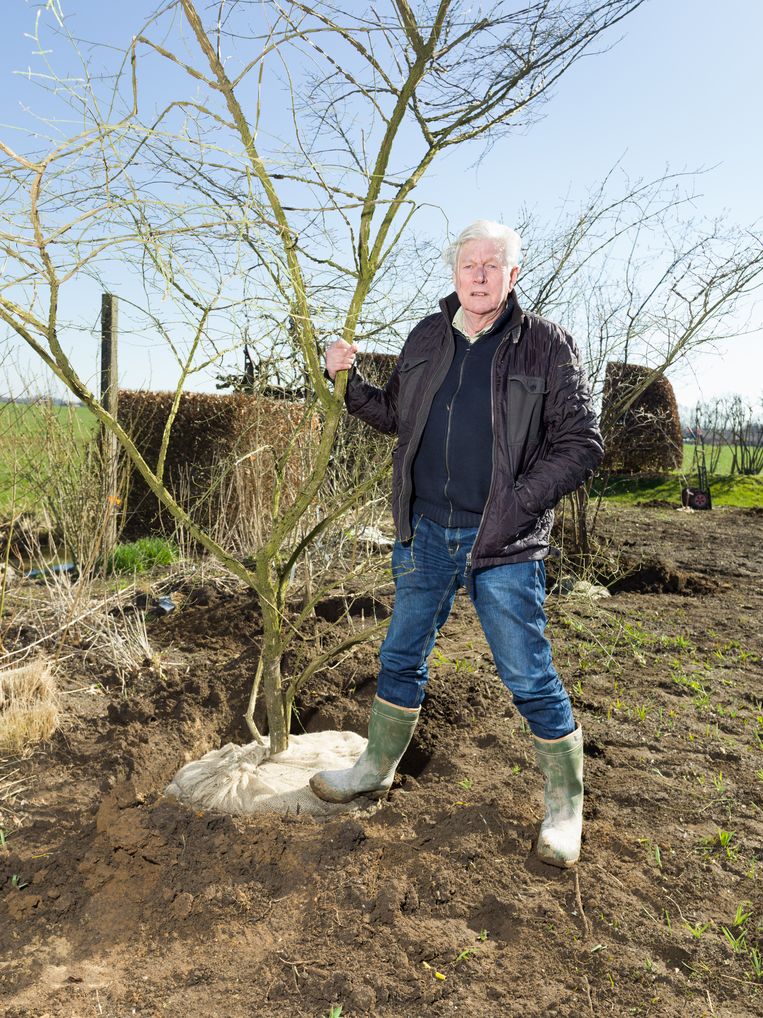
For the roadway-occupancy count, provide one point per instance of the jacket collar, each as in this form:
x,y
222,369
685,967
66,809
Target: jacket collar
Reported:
x,y
511,320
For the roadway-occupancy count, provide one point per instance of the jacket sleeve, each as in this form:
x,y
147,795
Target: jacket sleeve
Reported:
x,y
573,446
375,406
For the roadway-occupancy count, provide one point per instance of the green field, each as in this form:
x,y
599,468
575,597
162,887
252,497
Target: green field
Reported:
x,y
741,492
31,436
722,468
726,488
30,422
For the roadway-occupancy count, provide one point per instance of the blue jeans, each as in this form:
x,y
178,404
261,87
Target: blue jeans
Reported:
x,y
427,571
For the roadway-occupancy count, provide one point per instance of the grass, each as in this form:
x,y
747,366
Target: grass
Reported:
x,y
726,488
29,419
23,427
142,555
722,467
735,491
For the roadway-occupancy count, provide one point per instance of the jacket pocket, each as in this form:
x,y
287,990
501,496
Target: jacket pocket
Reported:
x,y
411,363
411,371
524,412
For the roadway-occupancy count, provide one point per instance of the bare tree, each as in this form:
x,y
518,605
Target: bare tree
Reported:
x,y
746,437
281,192
643,279
710,430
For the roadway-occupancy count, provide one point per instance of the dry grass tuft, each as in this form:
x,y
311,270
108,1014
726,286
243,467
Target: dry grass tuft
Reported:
x,y
28,706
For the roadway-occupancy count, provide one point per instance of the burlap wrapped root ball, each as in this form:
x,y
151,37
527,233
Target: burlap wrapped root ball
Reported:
x,y
247,779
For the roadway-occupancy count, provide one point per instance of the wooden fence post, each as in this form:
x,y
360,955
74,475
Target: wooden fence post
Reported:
x,y
109,443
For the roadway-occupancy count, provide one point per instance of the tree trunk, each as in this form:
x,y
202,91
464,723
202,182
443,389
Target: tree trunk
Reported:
x,y
582,536
279,713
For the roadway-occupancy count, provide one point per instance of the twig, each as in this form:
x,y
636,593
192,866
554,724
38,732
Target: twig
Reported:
x,y
294,964
579,900
619,883
709,1002
588,994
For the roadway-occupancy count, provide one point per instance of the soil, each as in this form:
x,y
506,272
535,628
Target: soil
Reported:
x,y
117,901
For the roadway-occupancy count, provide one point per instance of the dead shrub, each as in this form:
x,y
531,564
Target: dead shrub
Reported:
x,y
28,706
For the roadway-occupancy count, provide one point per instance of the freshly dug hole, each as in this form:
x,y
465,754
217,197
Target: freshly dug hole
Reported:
x,y
28,706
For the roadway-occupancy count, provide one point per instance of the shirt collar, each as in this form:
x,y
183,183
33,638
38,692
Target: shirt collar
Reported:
x,y
498,324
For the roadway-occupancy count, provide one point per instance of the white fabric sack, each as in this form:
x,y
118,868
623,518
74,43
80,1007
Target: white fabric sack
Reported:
x,y
247,779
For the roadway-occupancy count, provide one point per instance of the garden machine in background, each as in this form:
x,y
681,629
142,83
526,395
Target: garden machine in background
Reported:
x,y
698,497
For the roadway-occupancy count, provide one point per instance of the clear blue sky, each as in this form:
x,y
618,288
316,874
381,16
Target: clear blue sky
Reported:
x,y
681,89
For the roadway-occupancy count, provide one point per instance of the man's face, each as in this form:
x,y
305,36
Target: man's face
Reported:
x,y
482,279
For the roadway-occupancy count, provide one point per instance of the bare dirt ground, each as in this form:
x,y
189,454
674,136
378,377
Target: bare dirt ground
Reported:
x,y
116,901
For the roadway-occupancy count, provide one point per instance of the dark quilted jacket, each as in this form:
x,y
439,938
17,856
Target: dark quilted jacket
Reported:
x,y
546,441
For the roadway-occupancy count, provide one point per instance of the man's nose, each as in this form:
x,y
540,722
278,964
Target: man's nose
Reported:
x,y
479,274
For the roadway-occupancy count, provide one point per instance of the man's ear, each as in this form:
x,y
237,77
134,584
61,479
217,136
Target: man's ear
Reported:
x,y
513,277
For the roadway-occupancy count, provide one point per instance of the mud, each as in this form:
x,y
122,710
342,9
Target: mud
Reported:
x,y
116,901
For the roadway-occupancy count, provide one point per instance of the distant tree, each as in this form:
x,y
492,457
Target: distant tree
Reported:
x,y
710,433
746,433
678,284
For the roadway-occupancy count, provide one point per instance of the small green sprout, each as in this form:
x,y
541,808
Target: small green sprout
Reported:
x,y
721,840
698,929
463,955
757,964
724,840
738,943
741,916
720,784
655,850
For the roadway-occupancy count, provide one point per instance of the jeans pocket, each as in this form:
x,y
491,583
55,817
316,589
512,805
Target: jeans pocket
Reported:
x,y
403,555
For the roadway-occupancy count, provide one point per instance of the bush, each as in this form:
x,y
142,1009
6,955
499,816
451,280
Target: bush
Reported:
x,y
28,706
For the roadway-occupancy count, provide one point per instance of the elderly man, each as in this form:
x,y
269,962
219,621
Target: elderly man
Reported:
x,y
494,423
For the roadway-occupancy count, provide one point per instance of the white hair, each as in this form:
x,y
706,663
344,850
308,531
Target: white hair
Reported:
x,y
508,241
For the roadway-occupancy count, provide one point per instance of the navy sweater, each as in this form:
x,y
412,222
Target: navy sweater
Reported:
x,y
454,463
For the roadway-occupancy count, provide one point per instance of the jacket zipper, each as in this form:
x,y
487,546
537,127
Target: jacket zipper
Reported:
x,y
495,446
447,433
468,570
420,421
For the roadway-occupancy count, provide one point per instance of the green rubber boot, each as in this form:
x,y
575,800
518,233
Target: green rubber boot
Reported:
x,y
561,761
390,729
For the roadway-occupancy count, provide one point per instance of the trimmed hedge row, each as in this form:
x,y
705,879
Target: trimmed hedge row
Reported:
x,y
647,436
221,459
